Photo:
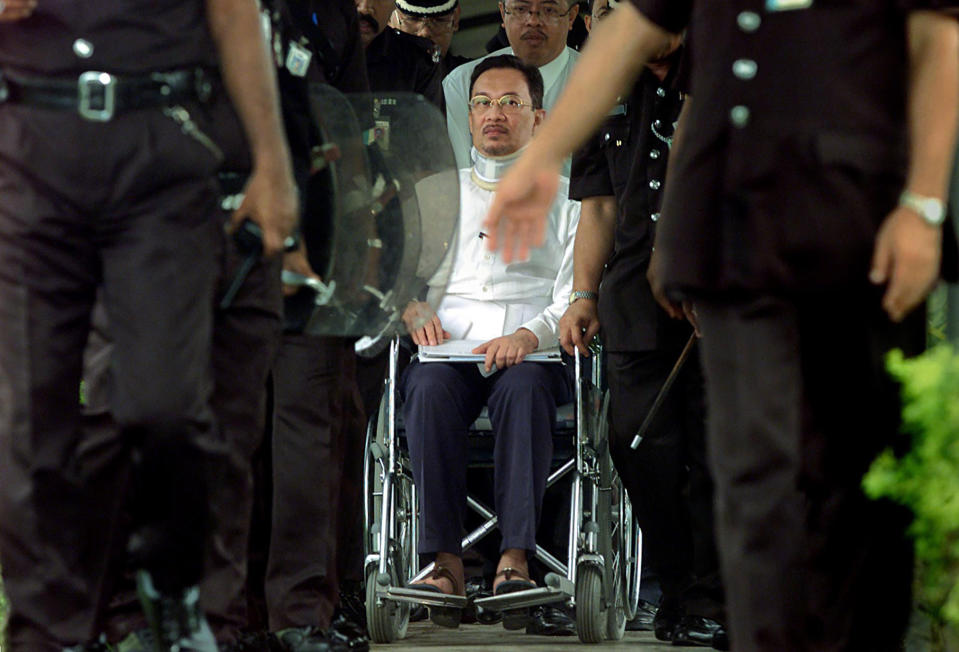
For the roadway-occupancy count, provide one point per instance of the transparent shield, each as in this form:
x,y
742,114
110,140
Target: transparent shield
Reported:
x,y
382,207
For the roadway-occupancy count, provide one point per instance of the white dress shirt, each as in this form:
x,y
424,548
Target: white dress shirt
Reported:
x,y
486,298
456,88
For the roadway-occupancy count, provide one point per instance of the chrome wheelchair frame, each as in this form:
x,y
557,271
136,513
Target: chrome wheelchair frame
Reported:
x,y
602,574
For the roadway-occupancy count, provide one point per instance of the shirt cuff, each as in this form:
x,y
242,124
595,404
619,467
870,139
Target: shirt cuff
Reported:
x,y
547,336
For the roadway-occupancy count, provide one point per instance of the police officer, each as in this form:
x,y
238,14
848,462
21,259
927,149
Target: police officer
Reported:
x,y
437,20
395,60
620,175
803,217
107,181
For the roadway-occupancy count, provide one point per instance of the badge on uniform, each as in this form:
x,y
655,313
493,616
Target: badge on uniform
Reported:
x,y
298,60
787,5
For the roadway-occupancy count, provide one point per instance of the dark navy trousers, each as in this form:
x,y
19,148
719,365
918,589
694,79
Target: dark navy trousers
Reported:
x,y
441,401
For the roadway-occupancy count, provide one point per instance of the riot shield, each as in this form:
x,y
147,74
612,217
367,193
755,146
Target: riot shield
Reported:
x,y
380,212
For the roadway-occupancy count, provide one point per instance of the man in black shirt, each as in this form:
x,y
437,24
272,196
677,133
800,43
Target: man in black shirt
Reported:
x,y
397,61
803,218
104,105
436,20
620,175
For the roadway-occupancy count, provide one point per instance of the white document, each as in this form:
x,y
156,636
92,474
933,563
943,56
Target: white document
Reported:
x,y
461,351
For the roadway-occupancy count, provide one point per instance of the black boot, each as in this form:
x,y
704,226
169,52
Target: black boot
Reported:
x,y
177,622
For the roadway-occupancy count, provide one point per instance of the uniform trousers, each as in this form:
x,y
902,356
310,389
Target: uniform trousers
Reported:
x,y
667,477
245,338
125,205
317,453
799,405
441,401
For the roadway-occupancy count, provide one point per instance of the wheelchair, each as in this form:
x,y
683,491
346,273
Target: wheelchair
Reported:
x,y
601,573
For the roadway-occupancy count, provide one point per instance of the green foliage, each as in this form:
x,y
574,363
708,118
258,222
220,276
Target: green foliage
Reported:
x,y
926,479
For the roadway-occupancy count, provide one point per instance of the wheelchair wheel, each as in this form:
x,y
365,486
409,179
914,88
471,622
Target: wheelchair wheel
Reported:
x,y
590,614
387,620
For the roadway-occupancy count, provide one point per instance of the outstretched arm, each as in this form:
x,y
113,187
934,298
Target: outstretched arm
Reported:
x,y
611,62
270,196
907,251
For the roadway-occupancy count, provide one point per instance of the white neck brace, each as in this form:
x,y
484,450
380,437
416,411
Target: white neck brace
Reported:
x,y
488,170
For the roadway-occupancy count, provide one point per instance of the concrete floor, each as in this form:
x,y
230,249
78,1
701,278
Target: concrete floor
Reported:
x,y
475,638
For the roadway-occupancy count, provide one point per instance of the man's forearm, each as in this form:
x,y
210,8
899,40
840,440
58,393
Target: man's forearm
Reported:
x,y
611,62
933,101
249,76
594,241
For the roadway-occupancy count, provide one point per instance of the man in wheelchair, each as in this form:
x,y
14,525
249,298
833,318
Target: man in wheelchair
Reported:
x,y
511,310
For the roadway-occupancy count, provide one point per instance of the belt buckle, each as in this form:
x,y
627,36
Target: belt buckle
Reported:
x,y
86,85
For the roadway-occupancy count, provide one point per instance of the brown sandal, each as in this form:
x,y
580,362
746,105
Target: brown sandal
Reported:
x,y
442,616
514,618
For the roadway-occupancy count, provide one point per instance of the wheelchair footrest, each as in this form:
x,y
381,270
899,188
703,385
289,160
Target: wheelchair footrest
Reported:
x,y
417,596
519,599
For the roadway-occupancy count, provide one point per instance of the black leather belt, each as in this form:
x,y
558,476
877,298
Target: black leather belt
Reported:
x,y
98,96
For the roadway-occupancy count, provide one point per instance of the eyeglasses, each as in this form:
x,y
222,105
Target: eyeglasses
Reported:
x,y
509,104
416,23
549,13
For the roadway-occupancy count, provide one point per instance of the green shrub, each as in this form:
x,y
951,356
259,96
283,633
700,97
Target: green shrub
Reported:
x,y
926,479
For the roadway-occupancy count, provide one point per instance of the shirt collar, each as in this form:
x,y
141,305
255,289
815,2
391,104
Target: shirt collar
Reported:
x,y
551,71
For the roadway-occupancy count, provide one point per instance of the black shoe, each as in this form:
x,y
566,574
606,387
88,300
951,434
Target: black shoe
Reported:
x,y
546,620
345,635
100,645
253,642
643,620
303,639
353,605
477,588
697,630
667,620
419,613
175,620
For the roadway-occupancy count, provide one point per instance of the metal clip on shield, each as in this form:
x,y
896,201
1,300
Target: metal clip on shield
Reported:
x,y
323,291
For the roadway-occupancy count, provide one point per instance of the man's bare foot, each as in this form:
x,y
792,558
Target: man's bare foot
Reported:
x,y
514,558
455,566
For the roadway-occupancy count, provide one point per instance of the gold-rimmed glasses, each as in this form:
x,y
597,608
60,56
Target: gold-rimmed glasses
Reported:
x,y
509,104
434,24
548,13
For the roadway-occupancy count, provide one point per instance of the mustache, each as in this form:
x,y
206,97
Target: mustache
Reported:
x,y
372,22
535,33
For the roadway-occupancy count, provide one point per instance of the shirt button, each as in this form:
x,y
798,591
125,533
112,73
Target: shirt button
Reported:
x,y
83,48
739,115
661,92
606,136
654,153
657,123
745,68
654,217
748,21
485,289
655,184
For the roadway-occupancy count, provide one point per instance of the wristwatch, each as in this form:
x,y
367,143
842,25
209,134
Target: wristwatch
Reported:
x,y
582,294
930,209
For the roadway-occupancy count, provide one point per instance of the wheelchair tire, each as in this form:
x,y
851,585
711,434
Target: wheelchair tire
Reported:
x,y
389,621
590,615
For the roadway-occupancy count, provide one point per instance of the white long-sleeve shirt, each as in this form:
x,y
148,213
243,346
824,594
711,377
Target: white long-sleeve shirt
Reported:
x,y
486,298
456,88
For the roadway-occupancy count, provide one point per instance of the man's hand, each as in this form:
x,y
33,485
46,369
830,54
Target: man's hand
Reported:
x,y
906,257
11,10
423,324
508,350
270,200
578,325
298,263
653,275
517,217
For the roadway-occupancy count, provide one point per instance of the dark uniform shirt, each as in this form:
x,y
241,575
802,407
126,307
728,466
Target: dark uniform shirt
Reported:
x,y
796,143
627,158
64,37
401,62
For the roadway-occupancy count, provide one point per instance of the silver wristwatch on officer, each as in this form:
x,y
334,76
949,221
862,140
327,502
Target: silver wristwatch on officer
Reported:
x,y
930,209
575,295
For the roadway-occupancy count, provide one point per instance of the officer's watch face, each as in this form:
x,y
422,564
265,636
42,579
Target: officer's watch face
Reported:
x,y
373,15
502,118
537,29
